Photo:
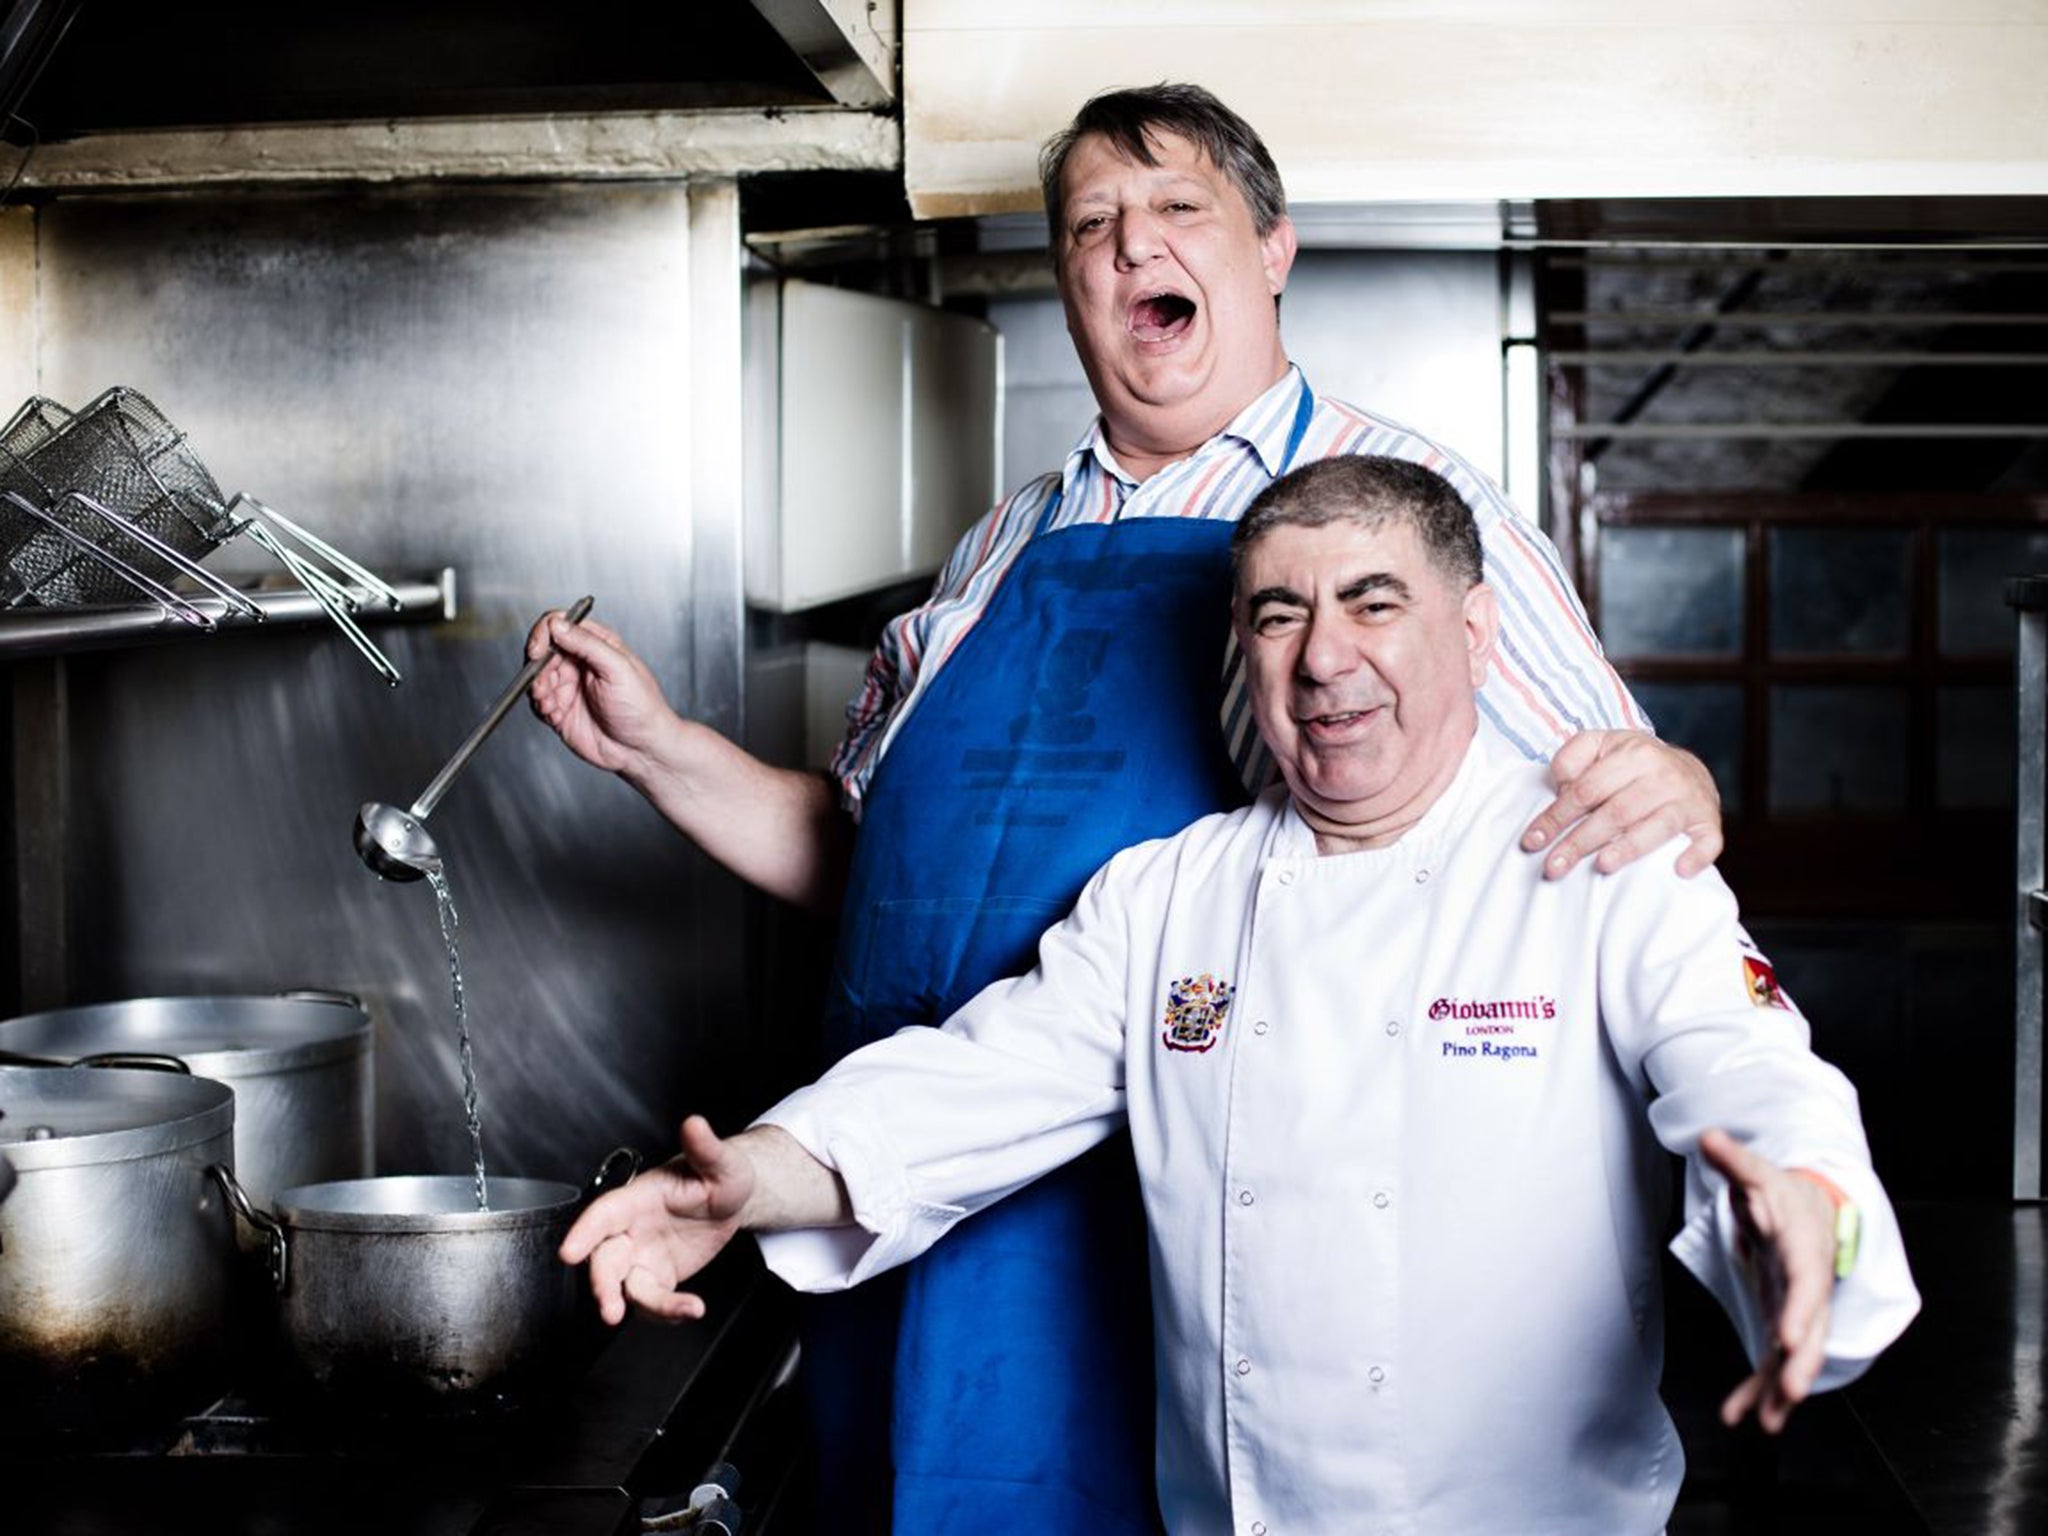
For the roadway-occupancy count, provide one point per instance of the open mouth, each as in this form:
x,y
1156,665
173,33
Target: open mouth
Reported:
x,y
1161,316
1336,723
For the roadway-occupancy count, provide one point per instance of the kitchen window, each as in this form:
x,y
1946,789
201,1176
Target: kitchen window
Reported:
x,y
1791,482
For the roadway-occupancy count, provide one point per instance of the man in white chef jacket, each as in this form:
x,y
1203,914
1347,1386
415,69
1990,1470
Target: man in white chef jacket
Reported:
x,y
1401,1106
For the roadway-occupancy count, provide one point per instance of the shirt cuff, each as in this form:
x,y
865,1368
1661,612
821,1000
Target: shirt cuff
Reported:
x,y
1869,1309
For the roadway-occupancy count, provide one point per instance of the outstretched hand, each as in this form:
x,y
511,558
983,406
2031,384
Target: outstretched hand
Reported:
x,y
1621,794
600,698
1787,1223
644,1240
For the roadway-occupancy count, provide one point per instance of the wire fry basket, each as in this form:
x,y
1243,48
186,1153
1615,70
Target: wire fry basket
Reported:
x,y
111,501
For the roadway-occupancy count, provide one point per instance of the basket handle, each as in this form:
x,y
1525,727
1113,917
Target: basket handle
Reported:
x,y
360,576
335,597
173,605
172,557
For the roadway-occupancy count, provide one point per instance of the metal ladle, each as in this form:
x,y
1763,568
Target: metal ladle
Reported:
x,y
396,843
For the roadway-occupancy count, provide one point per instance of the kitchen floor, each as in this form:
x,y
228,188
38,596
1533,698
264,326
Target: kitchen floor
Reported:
x,y
1947,1435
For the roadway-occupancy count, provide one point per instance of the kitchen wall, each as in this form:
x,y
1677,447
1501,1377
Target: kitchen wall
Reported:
x,y
1414,335
536,385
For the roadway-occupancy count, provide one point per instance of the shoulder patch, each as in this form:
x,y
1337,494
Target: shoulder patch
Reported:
x,y
1762,982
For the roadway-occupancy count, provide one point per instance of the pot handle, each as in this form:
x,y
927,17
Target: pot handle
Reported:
x,y
149,1059
155,1061
322,995
620,1167
271,1228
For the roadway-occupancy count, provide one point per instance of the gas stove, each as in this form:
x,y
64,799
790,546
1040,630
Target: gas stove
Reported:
x,y
618,1451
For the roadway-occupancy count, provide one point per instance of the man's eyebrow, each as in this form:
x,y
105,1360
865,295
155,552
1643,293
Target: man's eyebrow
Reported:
x,y
1267,596
1168,182
1374,581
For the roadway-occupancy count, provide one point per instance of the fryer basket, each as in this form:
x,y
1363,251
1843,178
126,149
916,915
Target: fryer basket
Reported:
x,y
110,501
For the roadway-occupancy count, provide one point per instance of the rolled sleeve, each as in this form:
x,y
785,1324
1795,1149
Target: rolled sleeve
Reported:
x,y
891,1224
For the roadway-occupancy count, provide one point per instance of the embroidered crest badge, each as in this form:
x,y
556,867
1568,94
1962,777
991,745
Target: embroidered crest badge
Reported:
x,y
1196,1007
1762,981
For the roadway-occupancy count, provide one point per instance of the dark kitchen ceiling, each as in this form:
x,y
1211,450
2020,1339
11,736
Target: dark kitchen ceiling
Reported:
x,y
127,65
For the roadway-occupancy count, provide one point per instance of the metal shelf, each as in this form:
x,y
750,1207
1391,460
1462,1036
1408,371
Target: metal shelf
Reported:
x,y
66,631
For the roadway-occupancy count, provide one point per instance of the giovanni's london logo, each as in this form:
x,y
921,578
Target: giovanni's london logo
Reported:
x,y
1497,1009
1491,1019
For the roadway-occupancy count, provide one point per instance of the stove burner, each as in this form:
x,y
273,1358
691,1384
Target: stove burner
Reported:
x,y
631,1439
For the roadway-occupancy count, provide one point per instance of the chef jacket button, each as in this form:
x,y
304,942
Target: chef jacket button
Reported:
x,y
1393,1026
1258,1528
1260,1027
1244,1367
1380,1198
1422,877
1244,1197
1376,1375
1285,877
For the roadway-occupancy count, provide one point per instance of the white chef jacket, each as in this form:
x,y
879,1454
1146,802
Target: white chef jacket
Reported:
x,y
1388,1109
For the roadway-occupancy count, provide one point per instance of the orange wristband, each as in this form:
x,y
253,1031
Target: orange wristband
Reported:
x,y
1834,1190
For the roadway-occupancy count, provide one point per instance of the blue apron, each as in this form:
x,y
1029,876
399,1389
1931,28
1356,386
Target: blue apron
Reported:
x,y
1078,717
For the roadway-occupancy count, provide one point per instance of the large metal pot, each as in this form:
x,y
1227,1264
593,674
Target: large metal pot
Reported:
x,y
400,1296
299,1063
115,1247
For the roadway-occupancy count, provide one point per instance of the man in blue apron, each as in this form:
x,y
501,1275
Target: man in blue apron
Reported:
x,y
1059,698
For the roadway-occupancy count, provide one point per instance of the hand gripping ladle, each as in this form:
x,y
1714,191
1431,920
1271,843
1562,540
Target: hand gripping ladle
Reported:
x,y
396,843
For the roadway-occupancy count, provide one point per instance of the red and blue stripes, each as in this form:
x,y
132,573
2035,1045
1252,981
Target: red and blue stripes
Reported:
x,y
1549,678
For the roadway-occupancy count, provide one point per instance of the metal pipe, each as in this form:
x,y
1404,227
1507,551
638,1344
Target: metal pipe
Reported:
x,y
2029,595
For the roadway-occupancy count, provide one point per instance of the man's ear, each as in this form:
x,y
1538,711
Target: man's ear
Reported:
x,y
1482,629
1276,249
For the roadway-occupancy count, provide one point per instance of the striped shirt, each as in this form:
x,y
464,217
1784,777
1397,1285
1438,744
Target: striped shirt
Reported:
x,y
1549,678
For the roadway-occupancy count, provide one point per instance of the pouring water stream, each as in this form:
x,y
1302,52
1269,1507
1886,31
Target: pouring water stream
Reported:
x,y
397,846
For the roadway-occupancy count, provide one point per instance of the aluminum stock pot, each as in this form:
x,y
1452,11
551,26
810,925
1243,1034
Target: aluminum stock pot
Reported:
x,y
299,1064
399,1296
116,1249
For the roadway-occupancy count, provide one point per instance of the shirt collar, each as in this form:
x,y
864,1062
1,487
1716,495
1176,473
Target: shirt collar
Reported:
x,y
1089,457
1268,422
1264,426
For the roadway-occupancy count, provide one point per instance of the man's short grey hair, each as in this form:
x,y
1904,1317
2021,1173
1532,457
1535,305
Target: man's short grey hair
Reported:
x,y
1372,492
1130,119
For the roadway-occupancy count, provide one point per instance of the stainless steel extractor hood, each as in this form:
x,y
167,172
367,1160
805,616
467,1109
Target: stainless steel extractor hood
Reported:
x,y
127,66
